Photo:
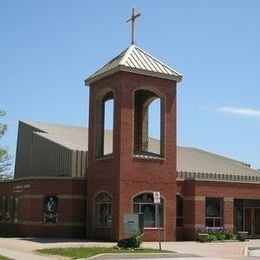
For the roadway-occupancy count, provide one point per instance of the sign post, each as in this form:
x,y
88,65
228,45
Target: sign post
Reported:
x,y
157,201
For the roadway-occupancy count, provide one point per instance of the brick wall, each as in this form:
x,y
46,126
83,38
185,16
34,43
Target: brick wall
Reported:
x,y
194,194
30,194
123,175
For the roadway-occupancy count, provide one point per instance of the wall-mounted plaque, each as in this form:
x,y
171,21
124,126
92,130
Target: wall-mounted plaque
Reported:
x,y
50,209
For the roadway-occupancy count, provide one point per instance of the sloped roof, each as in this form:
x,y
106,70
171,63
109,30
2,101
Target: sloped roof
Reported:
x,y
135,60
71,137
189,160
194,160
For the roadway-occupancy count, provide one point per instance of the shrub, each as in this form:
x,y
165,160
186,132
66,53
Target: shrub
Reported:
x,y
215,234
230,236
212,237
130,242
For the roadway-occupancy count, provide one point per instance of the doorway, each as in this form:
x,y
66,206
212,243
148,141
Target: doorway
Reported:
x,y
252,221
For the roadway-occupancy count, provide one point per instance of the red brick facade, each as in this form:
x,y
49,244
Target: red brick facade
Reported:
x,y
194,194
123,175
27,216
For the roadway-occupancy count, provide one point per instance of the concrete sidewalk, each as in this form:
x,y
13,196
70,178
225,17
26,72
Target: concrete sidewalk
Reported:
x,y
23,248
18,254
230,250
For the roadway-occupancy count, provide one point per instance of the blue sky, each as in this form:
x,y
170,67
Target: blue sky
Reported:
x,y
48,48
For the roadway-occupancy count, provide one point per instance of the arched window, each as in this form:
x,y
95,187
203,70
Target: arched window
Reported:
x,y
108,126
104,124
179,211
154,126
148,123
103,210
143,203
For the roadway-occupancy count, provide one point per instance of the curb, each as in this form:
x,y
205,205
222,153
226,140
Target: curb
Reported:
x,y
252,248
131,255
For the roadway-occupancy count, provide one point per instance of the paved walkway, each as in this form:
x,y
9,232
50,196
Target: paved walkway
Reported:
x,y
231,250
23,249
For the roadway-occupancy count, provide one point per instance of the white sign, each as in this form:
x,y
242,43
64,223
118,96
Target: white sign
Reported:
x,y
21,188
156,197
131,224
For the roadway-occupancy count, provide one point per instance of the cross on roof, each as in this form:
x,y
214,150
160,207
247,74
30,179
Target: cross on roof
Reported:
x,y
132,20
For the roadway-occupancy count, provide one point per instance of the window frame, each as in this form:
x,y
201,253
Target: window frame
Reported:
x,y
139,205
108,208
215,218
99,123
142,99
179,217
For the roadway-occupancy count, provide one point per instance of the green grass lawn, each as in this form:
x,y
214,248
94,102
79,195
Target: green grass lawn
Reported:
x,y
82,252
4,258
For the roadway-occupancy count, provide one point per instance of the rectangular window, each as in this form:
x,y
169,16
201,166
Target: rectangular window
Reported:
x,y
15,208
1,208
103,214
8,208
150,215
239,217
214,212
179,208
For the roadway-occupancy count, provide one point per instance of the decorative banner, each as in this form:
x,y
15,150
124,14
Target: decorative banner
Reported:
x,y
50,209
156,197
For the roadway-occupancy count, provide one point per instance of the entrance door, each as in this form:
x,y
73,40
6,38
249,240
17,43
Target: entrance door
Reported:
x,y
252,221
257,221
248,221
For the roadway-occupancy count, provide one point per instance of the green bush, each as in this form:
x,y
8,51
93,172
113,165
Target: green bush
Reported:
x,y
218,234
130,242
212,237
230,236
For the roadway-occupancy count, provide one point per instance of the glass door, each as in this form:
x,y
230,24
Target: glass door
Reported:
x,y
252,221
248,221
257,221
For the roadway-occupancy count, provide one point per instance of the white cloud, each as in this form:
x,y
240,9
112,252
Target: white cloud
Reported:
x,y
248,112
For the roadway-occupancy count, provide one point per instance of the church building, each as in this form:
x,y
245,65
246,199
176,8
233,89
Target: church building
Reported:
x,y
77,182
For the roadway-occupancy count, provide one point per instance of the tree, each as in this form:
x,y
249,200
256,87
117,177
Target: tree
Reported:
x,y
5,162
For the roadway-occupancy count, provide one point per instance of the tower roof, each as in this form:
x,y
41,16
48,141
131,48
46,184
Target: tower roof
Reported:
x,y
135,60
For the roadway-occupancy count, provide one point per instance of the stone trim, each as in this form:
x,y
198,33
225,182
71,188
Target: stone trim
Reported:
x,y
46,178
30,196
31,223
197,226
201,176
148,157
228,199
60,223
93,79
77,197
229,226
195,198
40,196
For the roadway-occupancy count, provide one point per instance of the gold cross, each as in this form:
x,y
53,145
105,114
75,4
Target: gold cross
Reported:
x,y
132,20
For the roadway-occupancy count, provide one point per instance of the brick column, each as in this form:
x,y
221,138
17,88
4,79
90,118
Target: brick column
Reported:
x,y
228,212
194,215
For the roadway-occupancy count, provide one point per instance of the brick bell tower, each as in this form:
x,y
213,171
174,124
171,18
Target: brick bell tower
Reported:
x,y
125,166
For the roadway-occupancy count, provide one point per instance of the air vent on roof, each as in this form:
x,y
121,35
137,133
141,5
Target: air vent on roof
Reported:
x,y
244,164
